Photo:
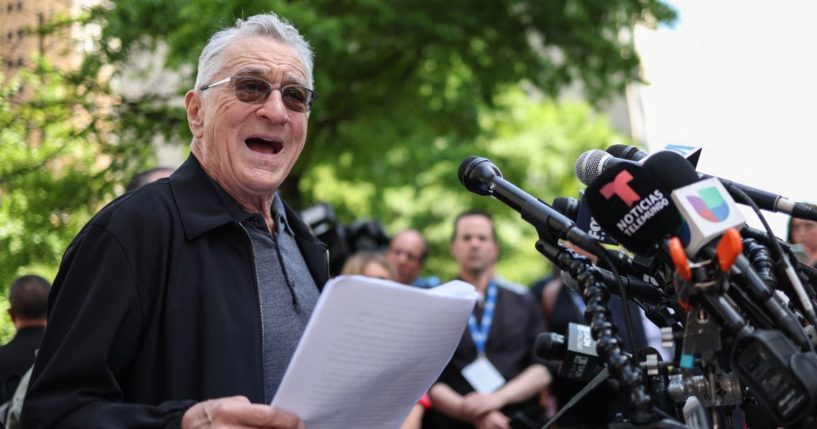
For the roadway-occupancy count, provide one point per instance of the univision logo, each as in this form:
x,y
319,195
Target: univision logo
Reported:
x,y
709,204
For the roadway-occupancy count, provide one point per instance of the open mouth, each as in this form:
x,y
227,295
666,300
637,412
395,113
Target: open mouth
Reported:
x,y
260,145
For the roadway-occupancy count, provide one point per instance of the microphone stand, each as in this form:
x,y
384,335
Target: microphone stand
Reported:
x,y
639,401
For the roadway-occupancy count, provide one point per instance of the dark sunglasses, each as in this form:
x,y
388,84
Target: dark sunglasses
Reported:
x,y
255,90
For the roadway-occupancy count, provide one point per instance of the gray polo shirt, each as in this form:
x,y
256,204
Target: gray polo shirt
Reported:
x,y
286,290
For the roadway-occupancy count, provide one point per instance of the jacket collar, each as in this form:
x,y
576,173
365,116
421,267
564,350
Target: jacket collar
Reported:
x,y
201,209
199,205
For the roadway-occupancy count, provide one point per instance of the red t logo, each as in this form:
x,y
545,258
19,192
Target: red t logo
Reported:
x,y
620,186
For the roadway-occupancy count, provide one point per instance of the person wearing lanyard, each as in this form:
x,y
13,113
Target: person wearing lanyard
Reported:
x,y
492,381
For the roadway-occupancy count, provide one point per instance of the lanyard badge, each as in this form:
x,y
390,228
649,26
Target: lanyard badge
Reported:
x,y
481,373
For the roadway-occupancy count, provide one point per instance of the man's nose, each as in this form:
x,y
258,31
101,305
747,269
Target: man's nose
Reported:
x,y
274,107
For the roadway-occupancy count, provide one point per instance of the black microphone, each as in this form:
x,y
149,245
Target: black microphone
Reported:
x,y
690,153
632,206
567,206
707,210
479,175
576,353
624,151
634,288
679,175
764,199
577,211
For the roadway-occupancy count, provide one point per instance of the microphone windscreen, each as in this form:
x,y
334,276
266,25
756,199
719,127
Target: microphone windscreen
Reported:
x,y
550,346
671,169
632,206
465,165
589,165
569,281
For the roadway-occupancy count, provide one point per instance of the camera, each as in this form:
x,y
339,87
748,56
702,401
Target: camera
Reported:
x,y
343,240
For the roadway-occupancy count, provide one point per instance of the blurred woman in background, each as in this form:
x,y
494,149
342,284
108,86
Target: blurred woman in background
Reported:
x,y
369,264
803,234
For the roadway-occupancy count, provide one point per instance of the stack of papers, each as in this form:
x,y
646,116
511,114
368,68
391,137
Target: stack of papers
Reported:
x,y
371,349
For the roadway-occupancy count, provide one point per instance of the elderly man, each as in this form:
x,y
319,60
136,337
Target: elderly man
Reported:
x,y
181,303
492,377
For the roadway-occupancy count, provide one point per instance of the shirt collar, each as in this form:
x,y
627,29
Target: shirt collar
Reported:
x,y
240,215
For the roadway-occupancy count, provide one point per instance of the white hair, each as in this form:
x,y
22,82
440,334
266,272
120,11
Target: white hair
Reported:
x,y
267,25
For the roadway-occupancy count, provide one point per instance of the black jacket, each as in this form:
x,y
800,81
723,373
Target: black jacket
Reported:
x,y
16,358
155,307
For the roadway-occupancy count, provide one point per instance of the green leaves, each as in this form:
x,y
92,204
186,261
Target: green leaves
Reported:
x,y
58,164
407,90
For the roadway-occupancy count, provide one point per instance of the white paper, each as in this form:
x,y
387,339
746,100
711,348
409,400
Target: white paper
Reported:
x,y
371,349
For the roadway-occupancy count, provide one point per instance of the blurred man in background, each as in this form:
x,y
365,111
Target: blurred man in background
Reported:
x,y
492,380
407,253
28,303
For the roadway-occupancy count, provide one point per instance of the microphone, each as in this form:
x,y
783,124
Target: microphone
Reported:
x,y
690,153
567,206
480,176
632,206
592,163
624,151
577,211
587,223
633,287
764,199
705,206
709,212
577,352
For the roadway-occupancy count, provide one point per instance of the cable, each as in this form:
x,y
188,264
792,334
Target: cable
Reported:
x,y
608,344
794,279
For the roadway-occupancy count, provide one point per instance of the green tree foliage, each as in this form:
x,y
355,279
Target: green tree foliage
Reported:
x,y
407,90
535,143
58,164
395,75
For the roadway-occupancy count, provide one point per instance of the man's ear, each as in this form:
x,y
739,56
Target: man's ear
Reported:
x,y
195,117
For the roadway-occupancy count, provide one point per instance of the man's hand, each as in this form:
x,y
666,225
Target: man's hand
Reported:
x,y
492,420
238,412
476,404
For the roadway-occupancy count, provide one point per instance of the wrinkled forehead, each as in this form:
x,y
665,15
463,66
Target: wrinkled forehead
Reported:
x,y
264,58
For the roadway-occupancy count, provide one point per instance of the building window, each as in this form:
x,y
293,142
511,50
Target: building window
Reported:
x,y
10,35
9,8
20,62
19,5
20,33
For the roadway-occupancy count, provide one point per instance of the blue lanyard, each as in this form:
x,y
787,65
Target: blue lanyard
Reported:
x,y
479,333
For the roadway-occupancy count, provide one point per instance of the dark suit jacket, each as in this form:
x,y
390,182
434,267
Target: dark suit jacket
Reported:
x,y
16,358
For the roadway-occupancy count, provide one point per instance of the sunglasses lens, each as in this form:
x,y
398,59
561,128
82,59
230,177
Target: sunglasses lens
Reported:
x,y
251,90
296,97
